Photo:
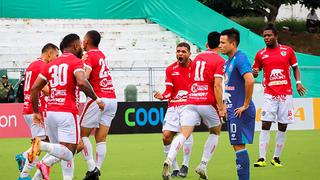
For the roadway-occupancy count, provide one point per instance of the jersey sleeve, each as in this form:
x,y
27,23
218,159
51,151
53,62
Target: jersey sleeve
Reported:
x,y
219,71
169,85
88,63
44,74
78,66
243,65
292,58
257,62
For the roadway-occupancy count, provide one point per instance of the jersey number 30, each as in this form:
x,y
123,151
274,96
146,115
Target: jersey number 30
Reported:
x,y
58,75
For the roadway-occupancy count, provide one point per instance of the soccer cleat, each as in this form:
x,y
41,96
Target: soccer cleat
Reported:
x,y
175,173
20,161
166,170
183,171
35,150
44,169
92,175
25,178
202,173
260,163
276,162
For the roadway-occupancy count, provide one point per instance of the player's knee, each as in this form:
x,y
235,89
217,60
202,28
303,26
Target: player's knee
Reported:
x,y
167,138
282,127
266,125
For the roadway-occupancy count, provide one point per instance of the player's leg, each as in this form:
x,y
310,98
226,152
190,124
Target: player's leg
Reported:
x,y
241,132
285,117
210,117
187,149
68,136
188,119
268,115
88,121
102,131
36,131
171,126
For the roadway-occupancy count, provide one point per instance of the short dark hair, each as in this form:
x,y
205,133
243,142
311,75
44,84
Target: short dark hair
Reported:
x,y
233,35
95,37
48,46
213,39
184,44
68,40
271,27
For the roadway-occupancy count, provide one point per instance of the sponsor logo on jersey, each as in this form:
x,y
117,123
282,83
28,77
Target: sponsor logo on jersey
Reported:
x,y
175,74
277,74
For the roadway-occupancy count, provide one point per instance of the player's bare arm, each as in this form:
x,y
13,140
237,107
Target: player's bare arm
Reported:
x,y
85,86
45,90
36,88
249,84
301,90
218,92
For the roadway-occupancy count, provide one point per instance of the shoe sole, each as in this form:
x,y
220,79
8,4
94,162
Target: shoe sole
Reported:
x,y
39,167
20,163
165,172
275,165
202,176
35,150
257,165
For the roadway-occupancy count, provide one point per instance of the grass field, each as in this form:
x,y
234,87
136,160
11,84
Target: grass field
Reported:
x,y
140,156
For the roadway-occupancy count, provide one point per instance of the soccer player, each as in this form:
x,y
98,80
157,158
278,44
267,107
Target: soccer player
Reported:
x,y
65,76
241,111
48,53
177,82
98,74
204,102
276,60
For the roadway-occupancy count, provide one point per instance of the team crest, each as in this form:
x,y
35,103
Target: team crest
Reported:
x,y
283,53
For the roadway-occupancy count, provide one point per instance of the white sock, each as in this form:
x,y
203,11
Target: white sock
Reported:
x,y
280,141
209,148
87,153
25,154
67,169
58,150
50,160
101,151
176,144
187,148
37,175
264,142
27,168
175,165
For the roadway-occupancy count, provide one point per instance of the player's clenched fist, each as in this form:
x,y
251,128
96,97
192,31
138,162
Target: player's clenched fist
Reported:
x,y
158,95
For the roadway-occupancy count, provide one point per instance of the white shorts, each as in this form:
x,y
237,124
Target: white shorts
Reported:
x,y
91,116
191,115
36,130
277,109
171,120
63,127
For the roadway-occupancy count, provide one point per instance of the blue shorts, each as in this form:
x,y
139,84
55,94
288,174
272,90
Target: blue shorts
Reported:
x,y
241,130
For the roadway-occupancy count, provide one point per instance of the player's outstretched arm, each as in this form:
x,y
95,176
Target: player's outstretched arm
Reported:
x,y
296,72
85,86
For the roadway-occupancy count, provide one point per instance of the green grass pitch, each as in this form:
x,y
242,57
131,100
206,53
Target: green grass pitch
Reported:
x,y
140,156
